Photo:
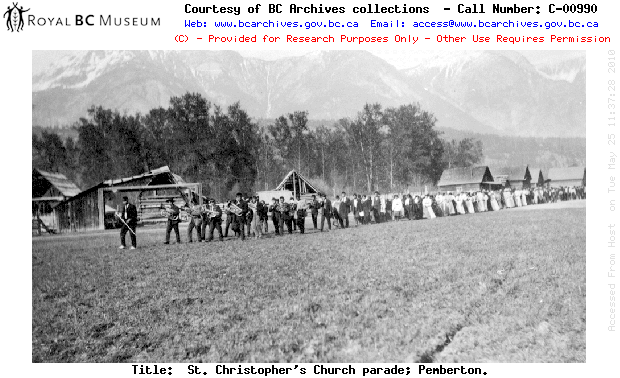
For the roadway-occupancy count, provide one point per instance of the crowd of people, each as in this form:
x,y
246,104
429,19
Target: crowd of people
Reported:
x,y
251,217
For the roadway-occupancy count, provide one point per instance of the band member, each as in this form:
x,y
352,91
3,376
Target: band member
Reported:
x,y
300,213
263,216
256,208
195,221
285,217
314,210
173,221
241,217
275,215
214,214
249,216
230,218
346,209
129,218
326,207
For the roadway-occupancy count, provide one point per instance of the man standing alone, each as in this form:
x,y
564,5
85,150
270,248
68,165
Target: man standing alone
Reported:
x,y
129,218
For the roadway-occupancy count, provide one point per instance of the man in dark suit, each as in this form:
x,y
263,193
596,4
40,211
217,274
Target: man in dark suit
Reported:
x,y
356,204
263,216
284,216
314,210
129,217
326,206
249,216
344,214
275,215
292,210
214,215
300,214
195,221
367,206
173,221
376,207
240,219
230,217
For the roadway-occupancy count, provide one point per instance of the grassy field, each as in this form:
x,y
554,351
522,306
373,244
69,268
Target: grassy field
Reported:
x,y
504,286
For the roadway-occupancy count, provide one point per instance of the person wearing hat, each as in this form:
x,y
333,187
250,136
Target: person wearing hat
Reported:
x,y
356,205
194,222
314,210
255,225
129,217
214,215
263,215
367,208
241,218
284,218
275,215
346,209
327,212
173,221
292,213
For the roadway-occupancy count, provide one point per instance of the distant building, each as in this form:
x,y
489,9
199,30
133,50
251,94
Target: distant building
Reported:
x,y
292,185
512,177
48,190
465,179
569,176
538,179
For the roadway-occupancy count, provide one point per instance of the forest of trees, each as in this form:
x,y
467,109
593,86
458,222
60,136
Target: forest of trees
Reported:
x,y
380,149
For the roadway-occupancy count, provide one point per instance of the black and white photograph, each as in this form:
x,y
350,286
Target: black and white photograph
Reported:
x,y
309,206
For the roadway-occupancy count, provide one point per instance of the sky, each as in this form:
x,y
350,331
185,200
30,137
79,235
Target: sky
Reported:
x,y
400,59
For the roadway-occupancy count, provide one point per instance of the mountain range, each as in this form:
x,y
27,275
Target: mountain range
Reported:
x,y
488,92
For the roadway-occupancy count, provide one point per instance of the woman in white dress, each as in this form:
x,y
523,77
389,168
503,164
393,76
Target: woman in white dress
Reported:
x,y
470,204
517,197
428,210
481,203
524,194
508,198
494,204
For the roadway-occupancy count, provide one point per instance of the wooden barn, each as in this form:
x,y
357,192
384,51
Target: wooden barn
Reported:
x,y
466,179
513,177
568,176
94,208
48,190
538,179
292,184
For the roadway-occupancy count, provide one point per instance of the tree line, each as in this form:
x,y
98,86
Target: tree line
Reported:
x,y
384,149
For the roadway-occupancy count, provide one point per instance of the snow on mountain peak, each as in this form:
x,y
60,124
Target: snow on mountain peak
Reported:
x,y
78,70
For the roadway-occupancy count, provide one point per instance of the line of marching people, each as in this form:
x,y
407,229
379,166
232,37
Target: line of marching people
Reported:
x,y
250,217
